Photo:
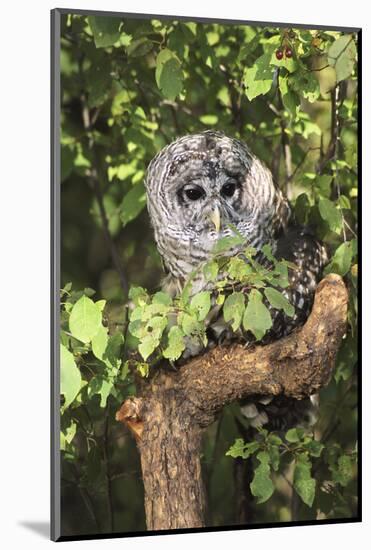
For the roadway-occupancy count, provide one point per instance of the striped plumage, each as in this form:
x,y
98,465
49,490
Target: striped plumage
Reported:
x,y
200,185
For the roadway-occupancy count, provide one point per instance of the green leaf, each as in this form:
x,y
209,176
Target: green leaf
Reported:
x,y
67,158
262,486
294,435
162,298
147,346
267,251
156,326
138,295
176,344
125,370
344,202
163,56
281,275
290,98
67,436
257,317
323,185
99,342
105,30
305,83
291,102
279,301
112,353
137,328
169,74
70,376
304,484
274,439
314,447
143,369
259,78
189,323
342,472
342,55
242,449
101,386
150,310
177,42
85,319
201,304
150,336
133,203
346,359
227,243
139,47
101,304
330,214
209,120
274,456
238,269
302,208
342,259
104,392
233,309
99,82
210,270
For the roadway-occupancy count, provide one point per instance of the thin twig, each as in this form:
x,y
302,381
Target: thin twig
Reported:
x,y
333,151
95,184
320,69
108,474
86,498
300,164
93,176
175,119
286,149
94,181
336,152
215,449
235,98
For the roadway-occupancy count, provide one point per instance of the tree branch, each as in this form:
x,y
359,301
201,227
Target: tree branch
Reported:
x,y
174,407
296,366
286,148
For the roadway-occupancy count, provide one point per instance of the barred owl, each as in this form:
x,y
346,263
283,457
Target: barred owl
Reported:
x,y
199,188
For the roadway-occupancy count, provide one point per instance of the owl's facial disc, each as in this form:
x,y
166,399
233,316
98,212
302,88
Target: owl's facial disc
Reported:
x,y
201,185
208,200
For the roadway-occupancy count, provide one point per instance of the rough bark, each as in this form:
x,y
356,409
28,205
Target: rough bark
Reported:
x,y
175,406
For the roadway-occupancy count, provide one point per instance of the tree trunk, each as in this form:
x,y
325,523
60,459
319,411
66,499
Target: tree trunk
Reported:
x,y
170,457
175,406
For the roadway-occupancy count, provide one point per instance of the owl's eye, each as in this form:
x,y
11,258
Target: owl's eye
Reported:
x,y
194,193
228,189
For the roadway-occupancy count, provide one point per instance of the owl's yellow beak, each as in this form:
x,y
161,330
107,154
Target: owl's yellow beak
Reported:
x,y
214,216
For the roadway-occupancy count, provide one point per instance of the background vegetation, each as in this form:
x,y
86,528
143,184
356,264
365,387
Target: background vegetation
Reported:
x,y
129,87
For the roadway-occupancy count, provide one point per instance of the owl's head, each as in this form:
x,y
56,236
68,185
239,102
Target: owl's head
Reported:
x,y
201,186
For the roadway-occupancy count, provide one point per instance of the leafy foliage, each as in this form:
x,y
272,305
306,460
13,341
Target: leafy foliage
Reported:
x,y
129,87
298,455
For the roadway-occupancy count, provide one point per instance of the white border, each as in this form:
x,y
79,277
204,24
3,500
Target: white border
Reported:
x,y
25,176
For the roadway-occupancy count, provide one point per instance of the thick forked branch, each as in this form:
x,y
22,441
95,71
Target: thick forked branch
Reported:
x,y
296,366
175,406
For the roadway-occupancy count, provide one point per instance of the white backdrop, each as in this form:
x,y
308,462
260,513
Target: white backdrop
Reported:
x,y
24,318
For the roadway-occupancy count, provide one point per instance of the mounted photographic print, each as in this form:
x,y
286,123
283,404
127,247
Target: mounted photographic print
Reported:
x,y
204,274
